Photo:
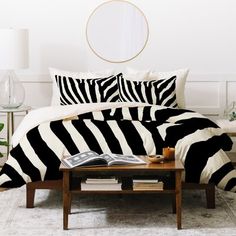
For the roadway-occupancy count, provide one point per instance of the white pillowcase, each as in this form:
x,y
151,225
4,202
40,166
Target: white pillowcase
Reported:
x,y
137,75
82,75
181,76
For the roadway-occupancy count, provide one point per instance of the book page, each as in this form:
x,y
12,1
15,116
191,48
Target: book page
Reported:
x,y
108,157
84,158
115,159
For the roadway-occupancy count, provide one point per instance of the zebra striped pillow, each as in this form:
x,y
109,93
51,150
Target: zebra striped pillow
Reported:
x,y
75,90
157,92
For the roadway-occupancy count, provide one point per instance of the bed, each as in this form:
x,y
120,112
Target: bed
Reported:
x,y
116,115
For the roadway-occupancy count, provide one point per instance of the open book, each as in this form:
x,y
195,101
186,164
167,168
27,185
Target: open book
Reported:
x,y
91,158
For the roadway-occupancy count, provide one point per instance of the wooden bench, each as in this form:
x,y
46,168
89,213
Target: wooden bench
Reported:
x,y
57,184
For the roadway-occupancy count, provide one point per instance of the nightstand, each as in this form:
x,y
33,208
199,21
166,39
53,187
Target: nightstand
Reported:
x,y
10,120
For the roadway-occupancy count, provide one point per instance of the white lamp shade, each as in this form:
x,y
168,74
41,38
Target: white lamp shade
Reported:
x,y
13,49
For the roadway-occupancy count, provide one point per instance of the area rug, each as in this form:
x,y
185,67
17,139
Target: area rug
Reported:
x,y
105,215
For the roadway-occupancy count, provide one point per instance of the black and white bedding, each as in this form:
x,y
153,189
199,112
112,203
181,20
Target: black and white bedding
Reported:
x,y
123,128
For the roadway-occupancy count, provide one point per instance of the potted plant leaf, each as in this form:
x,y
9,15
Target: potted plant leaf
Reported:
x,y
2,142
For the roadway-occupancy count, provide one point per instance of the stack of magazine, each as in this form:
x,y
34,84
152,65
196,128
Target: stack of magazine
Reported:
x,y
96,184
147,184
91,158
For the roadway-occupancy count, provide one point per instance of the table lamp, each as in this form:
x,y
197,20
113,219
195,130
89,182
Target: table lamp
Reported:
x,y
13,56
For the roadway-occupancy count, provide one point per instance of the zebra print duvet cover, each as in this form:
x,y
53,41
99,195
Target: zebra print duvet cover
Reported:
x,y
144,130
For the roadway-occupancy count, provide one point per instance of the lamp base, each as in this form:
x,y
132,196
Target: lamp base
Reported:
x,y
9,106
12,93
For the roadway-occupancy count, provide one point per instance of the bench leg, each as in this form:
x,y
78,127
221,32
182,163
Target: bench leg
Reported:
x,y
32,186
30,193
209,190
210,196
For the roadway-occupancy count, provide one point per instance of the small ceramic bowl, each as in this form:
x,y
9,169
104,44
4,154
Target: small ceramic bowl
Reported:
x,y
156,158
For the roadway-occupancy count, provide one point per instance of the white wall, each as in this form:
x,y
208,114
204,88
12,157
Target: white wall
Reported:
x,y
198,34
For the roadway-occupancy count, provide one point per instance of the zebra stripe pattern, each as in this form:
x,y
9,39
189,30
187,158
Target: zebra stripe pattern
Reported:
x,y
198,142
157,92
75,90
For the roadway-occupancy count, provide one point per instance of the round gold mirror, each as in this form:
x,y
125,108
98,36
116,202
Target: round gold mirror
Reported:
x,y
117,31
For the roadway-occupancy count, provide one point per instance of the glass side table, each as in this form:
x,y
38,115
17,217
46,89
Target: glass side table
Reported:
x,y
10,120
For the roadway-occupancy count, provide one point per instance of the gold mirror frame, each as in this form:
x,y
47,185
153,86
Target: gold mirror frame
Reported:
x,y
145,36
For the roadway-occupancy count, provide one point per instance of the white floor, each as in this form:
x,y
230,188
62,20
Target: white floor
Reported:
x,y
142,215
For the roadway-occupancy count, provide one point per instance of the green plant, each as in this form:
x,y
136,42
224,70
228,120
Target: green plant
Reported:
x,y
2,142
